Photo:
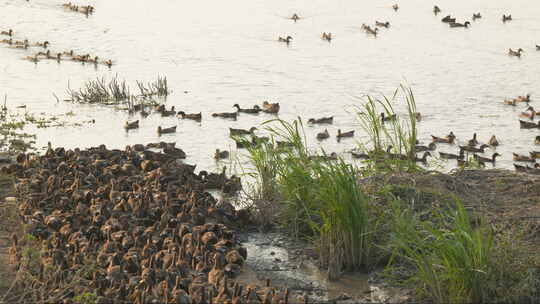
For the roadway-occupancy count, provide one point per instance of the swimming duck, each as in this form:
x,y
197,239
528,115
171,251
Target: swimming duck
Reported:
x,y
108,63
538,47
417,116
323,120
511,102
455,24
448,19
323,135
431,147
295,17
436,10
232,115
33,59
270,107
528,125
44,44
371,31
8,32
221,154
19,46
395,7
452,156
161,130
194,116
286,39
8,41
449,139
167,113
515,53
387,118
506,18
382,24
534,154
522,158
70,53
537,140
255,110
93,60
132,125
493,141
345,134
331,156
473,149
526,98
326,36
476,16
486,159
359,155
529,113
424,157
473,142
241,131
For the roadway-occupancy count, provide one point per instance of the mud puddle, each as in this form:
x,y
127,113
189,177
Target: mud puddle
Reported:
x,y
286,262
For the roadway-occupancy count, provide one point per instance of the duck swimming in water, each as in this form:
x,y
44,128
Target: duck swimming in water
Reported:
x,y
476,16
436,10
8,32
506,18
455,24
295,17
327,37
286,39
515,53
382,24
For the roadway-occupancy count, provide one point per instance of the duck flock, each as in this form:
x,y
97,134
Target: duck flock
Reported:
x,y
131,226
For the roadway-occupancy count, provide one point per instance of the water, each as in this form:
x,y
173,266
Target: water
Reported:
x,y
224,53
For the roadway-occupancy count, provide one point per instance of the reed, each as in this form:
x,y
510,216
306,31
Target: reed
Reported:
x,y
392,142
319,199
453,261
115,92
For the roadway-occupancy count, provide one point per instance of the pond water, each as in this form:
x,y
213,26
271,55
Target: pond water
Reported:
x,y
217,53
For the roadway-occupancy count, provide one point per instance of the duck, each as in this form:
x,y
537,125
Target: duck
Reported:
x,y
449,139
70,53
537,140
382,24
108,63
331,156
522,158
241,131
8,41
538,47
448,19
474,149
359,155
326,36
534,154
424,157
436,10
418,116
515,53
473,142
272,108
131,125
295,17
452,156
506,18
526,98
161,130
529,113
371,31
286,39
395,7
510,102
387,118
194,116
44,44
323,120
167,113
528,169
528,125
431,147
476,16
323,135
8,33
232,115
345,134
221,154
456,24
255,110
493,141
487,159
33,59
